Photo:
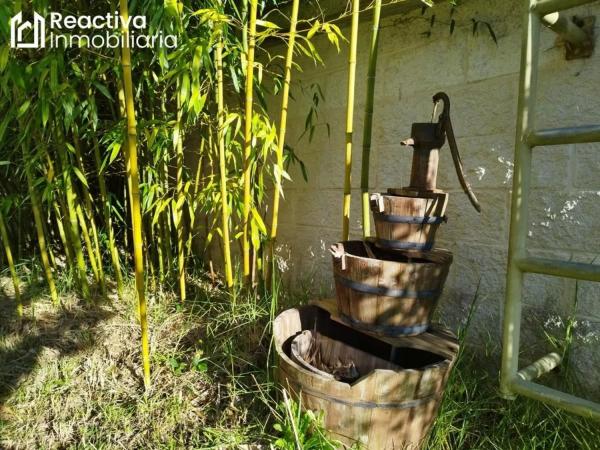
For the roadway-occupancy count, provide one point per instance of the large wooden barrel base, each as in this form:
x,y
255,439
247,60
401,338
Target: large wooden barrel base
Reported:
x,y
408,220
388,292
385,408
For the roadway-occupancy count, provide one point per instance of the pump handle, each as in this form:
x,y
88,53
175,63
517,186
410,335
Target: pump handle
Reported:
x,y
446,126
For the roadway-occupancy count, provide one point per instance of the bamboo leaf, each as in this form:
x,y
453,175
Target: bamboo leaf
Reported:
x,y
185,88
23,108
266,24
316,26
173,7
4,53
116,148
234,79
80,176
259,222
4,125
103,90
45,111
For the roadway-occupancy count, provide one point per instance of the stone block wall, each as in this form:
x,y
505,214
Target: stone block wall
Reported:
x,y
481,79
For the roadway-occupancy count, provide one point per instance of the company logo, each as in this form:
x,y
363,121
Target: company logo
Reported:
x,y
66,31
18,28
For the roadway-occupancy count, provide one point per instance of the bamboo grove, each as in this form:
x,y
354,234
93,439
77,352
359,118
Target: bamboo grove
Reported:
x,y
149,161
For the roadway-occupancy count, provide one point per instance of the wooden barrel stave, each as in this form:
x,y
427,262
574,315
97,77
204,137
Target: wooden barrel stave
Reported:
x,y
385,409
410,221
394,293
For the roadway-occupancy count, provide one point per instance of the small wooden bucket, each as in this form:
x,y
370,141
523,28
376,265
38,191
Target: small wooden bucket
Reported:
x,y
384,408
388,292
408,220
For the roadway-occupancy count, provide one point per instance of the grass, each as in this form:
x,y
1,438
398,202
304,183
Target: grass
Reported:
x,y
71,378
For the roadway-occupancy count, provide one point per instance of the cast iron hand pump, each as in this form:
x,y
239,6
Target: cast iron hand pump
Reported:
x,y
426,140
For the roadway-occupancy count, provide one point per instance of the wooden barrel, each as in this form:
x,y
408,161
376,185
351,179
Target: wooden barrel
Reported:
x,y
385,408
388,292
408,220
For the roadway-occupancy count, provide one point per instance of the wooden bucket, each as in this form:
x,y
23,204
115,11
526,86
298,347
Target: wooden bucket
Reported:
x,y
388,292
408,220
385,408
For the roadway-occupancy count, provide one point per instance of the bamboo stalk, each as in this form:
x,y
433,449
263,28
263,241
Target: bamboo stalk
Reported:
x,y
73,228
37,217
114,253
60,218
11,265
61,233
135,190
368,125
282,128
350,120
87,241
248,137
178,207
87,198
222,171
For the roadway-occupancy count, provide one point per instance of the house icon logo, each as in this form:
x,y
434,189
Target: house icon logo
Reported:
x,y
19,28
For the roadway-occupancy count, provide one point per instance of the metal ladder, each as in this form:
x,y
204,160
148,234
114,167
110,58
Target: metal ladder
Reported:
x,y
512,380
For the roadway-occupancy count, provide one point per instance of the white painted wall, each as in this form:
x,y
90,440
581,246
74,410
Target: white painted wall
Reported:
x,y
481,80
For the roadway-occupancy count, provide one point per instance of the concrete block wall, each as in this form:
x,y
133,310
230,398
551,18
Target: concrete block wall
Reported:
x,y
481,79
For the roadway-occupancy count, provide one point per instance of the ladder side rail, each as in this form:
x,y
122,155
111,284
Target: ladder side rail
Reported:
x,y
520,197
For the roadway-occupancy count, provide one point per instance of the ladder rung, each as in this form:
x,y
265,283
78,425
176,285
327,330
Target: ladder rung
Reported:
x,y
558,268
570,135
543,7
538,368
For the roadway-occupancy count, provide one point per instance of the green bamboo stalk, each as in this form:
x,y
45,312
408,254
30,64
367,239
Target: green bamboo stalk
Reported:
x,y
222,171
87,198
195,193
87,241
73,228
282,125
61,233
368,125
37,217
59,217
350,120
106,207
136,213
248,137
11,265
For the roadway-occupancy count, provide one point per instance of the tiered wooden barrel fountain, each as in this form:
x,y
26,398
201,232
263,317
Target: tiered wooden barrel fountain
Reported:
x,y
372,360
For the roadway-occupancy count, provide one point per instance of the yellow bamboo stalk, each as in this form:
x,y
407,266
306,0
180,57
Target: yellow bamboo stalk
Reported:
x,y
350,120
178,207
39,226
136,213
283,123
368,126
11,265
222,171
248,136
